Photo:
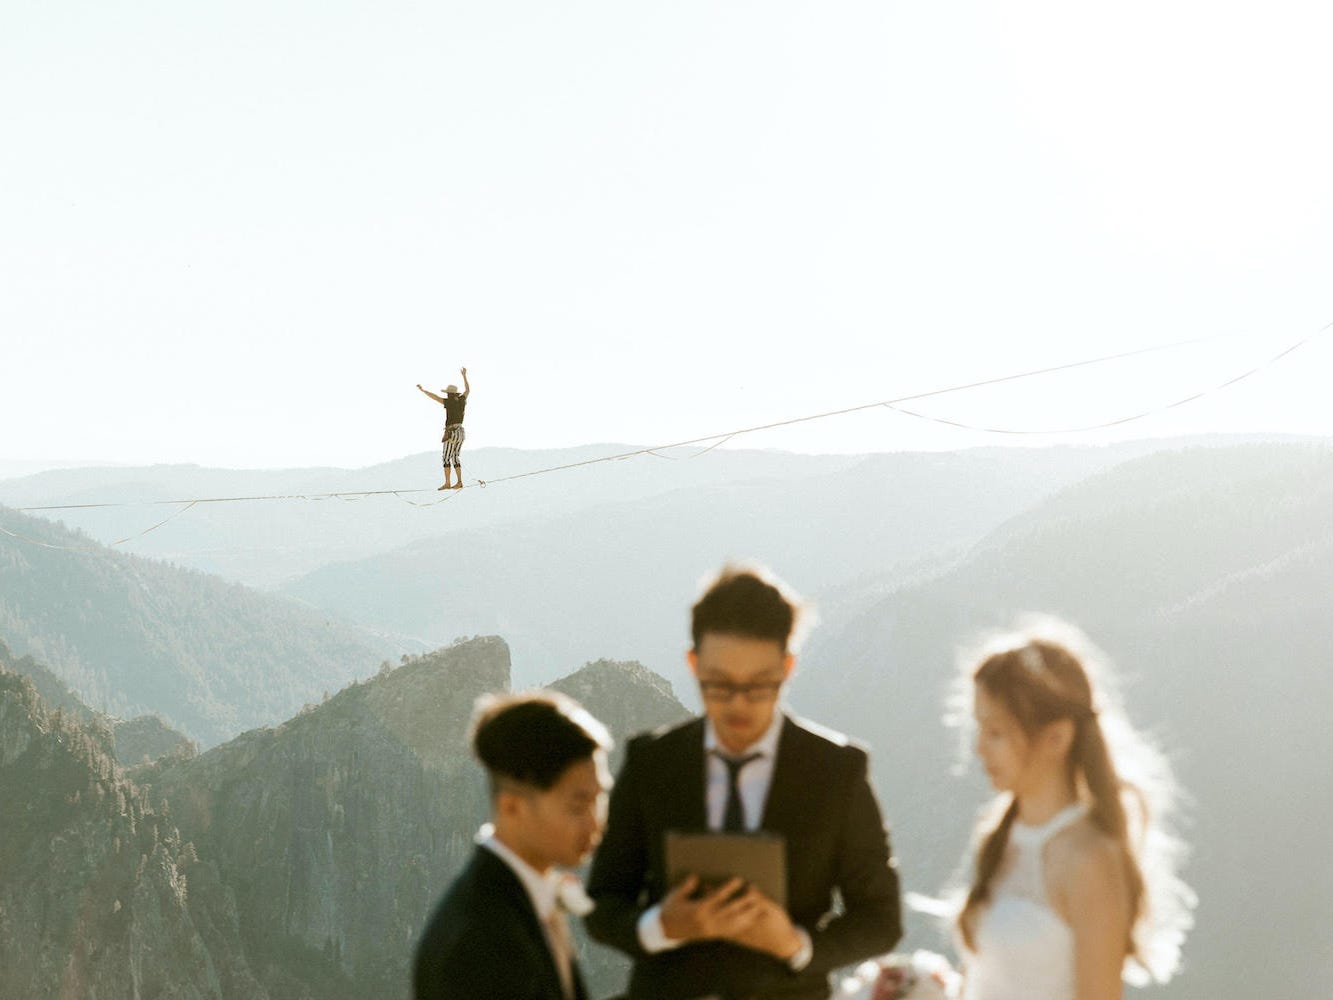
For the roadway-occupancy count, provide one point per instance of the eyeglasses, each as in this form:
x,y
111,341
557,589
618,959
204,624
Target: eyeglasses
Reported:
x,y
755,692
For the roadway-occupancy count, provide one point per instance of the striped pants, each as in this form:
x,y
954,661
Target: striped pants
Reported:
x,y
453,444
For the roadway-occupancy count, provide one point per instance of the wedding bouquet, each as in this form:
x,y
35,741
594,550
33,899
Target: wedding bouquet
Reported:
x,y
923,975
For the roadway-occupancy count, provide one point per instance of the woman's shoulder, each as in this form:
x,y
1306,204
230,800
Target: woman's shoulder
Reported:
x,y
1080,846
1083,859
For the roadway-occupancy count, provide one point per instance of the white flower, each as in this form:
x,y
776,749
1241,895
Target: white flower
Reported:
x,y
572,897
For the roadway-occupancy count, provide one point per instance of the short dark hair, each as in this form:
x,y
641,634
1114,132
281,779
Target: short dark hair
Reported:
x,y
746,601
532,738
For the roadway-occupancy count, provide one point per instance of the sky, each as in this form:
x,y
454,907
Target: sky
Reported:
x,y
240,234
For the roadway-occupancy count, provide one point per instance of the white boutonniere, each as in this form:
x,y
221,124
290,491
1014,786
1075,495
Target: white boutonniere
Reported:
x,y
572,897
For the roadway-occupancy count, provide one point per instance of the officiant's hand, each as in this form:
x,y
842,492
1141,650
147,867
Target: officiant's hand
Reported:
x,y
715,915
771,932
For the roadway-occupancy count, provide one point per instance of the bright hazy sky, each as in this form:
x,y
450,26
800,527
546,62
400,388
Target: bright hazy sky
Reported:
x,y
240,233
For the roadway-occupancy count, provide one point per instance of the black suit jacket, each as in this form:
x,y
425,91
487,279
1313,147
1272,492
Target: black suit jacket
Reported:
x,y
820,800
484,940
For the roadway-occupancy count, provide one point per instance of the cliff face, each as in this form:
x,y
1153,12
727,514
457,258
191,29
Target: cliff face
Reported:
x,y
145,738
339,829
98,894
294,863
627,696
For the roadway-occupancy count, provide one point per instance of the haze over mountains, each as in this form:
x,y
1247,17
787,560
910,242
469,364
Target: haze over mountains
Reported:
x,y
513,559
1201,567
133,635
264,543
1205,575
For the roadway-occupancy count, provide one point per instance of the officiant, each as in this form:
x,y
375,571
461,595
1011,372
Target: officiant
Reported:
x,y
746,765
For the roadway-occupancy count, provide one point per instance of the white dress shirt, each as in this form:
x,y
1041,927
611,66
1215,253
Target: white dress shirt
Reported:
x,y
752,783
541,888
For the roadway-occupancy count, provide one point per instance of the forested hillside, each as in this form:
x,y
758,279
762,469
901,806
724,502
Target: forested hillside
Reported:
x,y
297,862
131,635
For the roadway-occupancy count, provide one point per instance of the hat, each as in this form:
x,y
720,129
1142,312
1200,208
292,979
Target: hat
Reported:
x,y
451,389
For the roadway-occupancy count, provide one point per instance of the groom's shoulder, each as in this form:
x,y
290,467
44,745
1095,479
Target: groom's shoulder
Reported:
x,y
821,740
667,738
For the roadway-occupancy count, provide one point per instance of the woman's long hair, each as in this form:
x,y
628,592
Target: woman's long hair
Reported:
x,y
1047,672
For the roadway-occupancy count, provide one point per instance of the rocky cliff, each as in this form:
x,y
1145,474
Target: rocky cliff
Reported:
x,y
292,863
99,896
339,830
627,696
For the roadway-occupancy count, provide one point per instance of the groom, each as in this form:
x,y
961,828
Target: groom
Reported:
x,y
744,766
501,929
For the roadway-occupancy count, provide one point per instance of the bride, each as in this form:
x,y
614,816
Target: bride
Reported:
x,y
1074,888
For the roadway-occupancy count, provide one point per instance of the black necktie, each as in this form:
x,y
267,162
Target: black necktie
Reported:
x,y
733,820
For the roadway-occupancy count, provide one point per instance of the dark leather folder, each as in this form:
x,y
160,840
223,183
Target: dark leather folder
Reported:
x,y
758,858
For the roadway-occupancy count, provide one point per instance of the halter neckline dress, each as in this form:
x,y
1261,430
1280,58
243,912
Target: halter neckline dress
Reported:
x,y
1025,950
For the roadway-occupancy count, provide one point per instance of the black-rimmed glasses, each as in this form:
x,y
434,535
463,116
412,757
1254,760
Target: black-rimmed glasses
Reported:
x,y
754,692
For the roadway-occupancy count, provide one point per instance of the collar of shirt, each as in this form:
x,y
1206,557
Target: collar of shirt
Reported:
x,y
767,745
541,889
752,783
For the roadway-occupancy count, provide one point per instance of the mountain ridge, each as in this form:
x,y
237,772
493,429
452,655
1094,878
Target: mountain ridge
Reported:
x,y
132,635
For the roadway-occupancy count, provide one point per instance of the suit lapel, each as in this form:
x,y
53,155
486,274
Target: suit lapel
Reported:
x,y
689,790
507,885
785,798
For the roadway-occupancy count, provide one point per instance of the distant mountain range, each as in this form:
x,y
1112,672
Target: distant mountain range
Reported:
x,y
130,741
616,578
133,635
1202,568
266,543
1205,575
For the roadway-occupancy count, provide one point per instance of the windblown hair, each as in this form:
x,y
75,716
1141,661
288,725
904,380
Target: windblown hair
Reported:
x,y
530,739
1047,672
747,600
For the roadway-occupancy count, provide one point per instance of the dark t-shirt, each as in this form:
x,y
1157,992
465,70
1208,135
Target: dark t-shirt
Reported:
x,y
453,408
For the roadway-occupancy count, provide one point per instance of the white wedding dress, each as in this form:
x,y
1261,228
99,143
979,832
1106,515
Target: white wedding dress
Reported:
x,y
1025,951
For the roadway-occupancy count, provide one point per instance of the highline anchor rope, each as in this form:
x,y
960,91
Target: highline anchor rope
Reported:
x,y
722,438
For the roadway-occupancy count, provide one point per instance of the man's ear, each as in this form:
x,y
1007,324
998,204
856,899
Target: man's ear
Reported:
x,y
508,803
692,658
788,665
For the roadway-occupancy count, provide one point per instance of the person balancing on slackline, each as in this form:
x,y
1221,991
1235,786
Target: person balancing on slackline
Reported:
x,y
454,403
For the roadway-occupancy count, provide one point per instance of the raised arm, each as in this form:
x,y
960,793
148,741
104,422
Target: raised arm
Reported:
x,y
466,388
430,394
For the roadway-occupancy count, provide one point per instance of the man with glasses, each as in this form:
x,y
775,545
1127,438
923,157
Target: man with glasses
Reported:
x,y
745,766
